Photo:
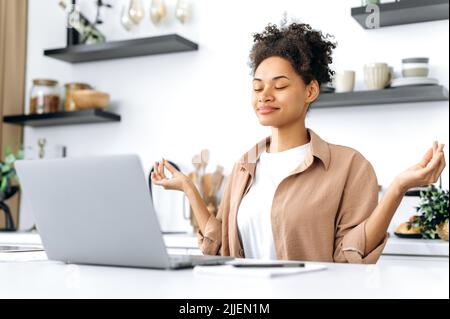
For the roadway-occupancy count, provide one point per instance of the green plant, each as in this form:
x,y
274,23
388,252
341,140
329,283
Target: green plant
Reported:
x,y
433,211
8,177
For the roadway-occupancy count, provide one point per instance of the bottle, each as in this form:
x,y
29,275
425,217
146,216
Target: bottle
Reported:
x,y
73,25
79,29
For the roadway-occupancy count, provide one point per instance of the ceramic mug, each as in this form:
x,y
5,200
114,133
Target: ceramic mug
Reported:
x,y
344,81
377,75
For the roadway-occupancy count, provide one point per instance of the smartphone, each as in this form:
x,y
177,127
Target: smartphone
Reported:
x,y
266,264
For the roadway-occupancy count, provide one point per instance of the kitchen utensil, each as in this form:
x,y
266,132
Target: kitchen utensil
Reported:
x,y
136,11
205,159
85,99
100,5
210,201
197,162
216,181
157,11
413,81
415,67
376,76
344,81
183,11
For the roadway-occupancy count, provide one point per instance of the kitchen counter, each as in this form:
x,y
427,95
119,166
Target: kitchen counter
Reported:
x,y
391,277
187,243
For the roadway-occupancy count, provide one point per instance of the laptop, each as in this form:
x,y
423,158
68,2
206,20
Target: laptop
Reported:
x,y
98,210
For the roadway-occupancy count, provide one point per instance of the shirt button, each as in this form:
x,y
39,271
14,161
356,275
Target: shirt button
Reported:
x,y
241,253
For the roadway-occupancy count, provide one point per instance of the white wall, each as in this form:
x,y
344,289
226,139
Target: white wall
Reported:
x,y
177,104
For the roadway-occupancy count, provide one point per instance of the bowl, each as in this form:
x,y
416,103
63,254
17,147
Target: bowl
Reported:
x,y
415,67
88,99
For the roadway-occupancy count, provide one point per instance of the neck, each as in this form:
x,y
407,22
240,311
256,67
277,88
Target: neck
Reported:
x,y
288,136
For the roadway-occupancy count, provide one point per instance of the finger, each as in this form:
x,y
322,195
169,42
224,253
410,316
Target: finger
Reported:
x,y
440,167
435,147
155,170
161,169
433,165
170,167
153,178
426,158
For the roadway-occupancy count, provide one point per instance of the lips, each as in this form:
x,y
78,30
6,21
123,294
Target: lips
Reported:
x,y
267,109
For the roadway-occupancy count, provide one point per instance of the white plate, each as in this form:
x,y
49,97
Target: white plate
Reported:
x,y
413,81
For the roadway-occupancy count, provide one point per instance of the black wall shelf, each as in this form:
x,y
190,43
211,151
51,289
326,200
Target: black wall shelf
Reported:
x,y
63,118
405,12
123,49
405,94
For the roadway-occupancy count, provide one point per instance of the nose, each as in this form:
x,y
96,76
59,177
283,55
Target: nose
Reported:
x,y
265,97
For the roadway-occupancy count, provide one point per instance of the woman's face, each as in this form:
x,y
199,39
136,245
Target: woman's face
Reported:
x,y
280,96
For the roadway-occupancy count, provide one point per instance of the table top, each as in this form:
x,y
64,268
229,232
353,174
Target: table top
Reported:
x,y
391,277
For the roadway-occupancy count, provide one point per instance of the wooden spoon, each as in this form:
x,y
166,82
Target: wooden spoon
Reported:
x,y
204,159
216,180
197,162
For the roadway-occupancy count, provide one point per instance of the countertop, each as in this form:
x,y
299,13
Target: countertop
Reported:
x,y
184,241
391,277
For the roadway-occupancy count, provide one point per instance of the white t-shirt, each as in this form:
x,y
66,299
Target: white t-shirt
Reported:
x,y
254,215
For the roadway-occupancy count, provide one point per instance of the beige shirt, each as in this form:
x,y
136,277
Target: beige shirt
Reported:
x,y
318,211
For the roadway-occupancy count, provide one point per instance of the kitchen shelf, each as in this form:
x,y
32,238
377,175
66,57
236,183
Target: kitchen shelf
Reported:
x,y
63,118
405,12
409,94
122,49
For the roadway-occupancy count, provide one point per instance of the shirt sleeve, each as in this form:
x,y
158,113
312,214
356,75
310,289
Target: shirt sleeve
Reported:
x,y
359,200
210,243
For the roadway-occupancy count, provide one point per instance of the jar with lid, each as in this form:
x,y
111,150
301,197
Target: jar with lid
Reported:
x,y
69,104
44,96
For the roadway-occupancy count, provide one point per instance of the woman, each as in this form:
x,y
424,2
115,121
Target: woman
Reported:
x,y
293,195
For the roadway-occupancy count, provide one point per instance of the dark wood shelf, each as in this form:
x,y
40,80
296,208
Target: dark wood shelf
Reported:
x,y
63,118
405,12
407,94
122,49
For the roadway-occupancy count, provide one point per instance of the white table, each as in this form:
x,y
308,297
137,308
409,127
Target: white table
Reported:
x,y
391,277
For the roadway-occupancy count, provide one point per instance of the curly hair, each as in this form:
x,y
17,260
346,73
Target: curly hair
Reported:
x,y
308,50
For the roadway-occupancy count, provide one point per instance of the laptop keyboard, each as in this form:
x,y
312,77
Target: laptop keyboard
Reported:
x,y
198,260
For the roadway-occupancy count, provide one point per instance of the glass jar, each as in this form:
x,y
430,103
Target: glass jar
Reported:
x,y
44,96
69,104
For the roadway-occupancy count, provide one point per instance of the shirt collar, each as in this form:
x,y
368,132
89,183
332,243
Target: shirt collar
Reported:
x,y
318,149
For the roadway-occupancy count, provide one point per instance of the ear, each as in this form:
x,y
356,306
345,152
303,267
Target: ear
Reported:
x,y
312,91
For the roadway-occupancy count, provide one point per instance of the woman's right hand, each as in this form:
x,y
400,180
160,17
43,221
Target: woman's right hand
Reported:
x,y
178,181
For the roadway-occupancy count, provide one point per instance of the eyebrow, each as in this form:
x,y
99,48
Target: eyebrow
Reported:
x,y
275,78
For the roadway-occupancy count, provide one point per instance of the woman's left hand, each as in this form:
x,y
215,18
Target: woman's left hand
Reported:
x,y
426,172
